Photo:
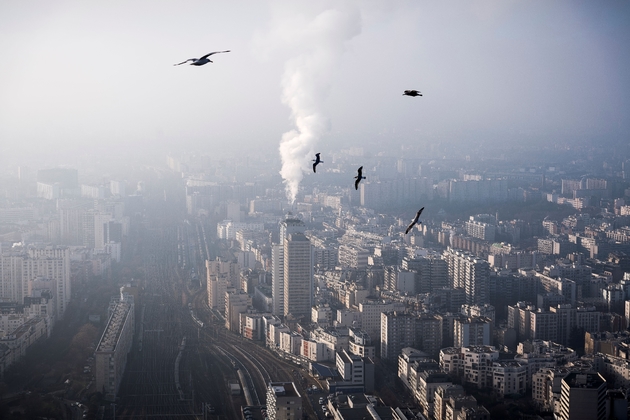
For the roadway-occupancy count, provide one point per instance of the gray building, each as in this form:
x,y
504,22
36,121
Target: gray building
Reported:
x,y
583,397
111,352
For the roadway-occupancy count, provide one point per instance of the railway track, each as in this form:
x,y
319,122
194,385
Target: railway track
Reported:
x,y
153,387
149,388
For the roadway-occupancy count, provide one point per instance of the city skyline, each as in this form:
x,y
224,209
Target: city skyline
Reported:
x,y
174,210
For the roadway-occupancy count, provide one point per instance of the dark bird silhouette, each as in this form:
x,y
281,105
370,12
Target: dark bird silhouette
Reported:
x,y
359,177
201,61
412,93
317,161
414,221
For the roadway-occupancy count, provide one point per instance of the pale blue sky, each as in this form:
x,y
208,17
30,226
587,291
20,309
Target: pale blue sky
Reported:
x,y
80,76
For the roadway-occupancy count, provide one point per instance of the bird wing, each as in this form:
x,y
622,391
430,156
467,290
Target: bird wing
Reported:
x,y
314,165
356,183
360,172
184,62
216,52
409,227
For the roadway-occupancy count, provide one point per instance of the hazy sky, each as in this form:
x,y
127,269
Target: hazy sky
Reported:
x,y
82,75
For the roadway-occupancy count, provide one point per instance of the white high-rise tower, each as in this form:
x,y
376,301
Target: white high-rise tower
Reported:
x,y
298,275
288,226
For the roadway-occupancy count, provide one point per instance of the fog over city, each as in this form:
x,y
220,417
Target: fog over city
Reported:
x,y
292,210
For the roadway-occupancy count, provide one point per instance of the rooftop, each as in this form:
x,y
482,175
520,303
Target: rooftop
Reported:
x,y
584,380
284,389
480,349
114,327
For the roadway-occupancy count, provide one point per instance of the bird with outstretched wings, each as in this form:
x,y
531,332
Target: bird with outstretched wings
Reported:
x,y
414,221
202,60
359,177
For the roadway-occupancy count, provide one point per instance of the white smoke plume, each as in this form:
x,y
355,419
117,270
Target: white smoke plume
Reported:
x,y
306,82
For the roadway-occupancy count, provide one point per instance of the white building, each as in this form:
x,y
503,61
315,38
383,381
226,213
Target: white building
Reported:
x,y
51,262
298,275
361,343
468,272
509,378
407,356
277,278
428,383
351,367
478,363
216,287
273,334
284,402
547,387
322,315
291,342
353,257
442,395
314,351
335,339
371,314
474,363
236,303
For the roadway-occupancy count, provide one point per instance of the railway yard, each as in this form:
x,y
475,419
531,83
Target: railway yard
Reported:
x,y
184,360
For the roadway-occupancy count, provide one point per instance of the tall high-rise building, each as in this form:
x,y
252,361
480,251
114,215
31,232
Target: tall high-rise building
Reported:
x,y
277,278
216,287
12,286
472,331
298,275
370,314
398,330
19,267
288,226
470,273
53,263
432,272
429,333
72,215
291,225
100,230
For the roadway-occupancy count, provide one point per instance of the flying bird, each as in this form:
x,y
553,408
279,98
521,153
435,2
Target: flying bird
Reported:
x,y
412,93
317,161
201,61
359,177
414,221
